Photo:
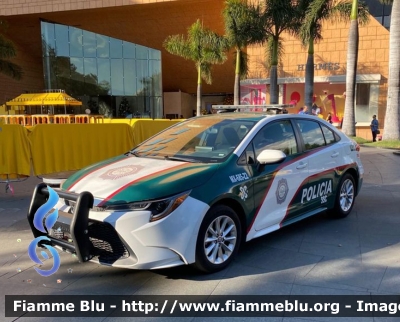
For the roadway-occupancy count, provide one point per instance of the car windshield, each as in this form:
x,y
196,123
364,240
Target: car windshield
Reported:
x,y
204,139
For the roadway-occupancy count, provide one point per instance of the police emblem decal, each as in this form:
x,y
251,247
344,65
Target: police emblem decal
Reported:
x,y
117,173
281,191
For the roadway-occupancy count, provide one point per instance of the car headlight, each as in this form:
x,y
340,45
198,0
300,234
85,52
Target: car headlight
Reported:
x,y
158,208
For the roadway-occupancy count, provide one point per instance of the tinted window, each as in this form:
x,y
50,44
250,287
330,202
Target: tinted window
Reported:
x,y
311,133
328,133
276,136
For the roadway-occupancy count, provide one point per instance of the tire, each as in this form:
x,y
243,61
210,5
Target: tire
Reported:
x,y
345,197
215,252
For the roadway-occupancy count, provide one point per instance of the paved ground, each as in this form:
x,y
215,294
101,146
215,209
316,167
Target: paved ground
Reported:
x,y
358,255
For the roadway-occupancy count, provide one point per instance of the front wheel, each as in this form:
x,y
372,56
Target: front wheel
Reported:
x,y
345,197
218,240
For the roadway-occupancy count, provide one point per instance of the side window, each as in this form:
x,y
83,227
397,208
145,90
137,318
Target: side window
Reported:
x,y
328,134
247,156
312,134
276,136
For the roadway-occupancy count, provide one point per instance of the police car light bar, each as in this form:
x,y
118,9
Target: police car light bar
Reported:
x,y
277,108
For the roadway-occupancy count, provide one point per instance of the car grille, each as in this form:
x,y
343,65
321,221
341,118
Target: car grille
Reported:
x,y
106,243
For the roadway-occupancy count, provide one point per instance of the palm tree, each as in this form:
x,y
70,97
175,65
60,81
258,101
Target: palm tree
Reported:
x,y
202,46
242,28
278,16
392,117
7,52
349,121
317,12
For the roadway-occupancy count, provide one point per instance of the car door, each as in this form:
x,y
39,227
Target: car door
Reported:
x,y
323,160
276,186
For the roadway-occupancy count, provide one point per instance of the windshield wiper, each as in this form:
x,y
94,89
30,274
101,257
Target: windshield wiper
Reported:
x,y
181,159
135,153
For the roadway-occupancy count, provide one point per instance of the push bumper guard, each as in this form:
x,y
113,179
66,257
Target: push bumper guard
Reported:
x,y
77,221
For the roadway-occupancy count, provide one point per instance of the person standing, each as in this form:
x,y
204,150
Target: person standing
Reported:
x,y
303,110
329,118
315,110
374,127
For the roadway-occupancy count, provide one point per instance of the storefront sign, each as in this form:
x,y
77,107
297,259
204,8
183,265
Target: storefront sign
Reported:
x,y
324,66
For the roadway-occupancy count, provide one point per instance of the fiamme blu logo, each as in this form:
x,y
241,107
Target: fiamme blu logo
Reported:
x,y
49,222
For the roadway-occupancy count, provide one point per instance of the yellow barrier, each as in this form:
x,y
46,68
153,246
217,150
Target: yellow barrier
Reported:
x,y
144,129
66,147
15,152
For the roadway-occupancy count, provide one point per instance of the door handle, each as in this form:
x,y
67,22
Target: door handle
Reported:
x,y
335,154
301,165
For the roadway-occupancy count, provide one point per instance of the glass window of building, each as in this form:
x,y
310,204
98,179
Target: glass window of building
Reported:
x,y
89,44
142,52
366,102
115,48
381,12
61,40
129,50
75,42
48,39
102,46
110,76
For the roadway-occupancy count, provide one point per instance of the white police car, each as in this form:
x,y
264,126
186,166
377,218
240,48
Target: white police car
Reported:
x,y
194,192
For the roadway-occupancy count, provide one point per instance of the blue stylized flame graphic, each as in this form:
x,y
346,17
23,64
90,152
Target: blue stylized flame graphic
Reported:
x,y
44,209
49,223
35,258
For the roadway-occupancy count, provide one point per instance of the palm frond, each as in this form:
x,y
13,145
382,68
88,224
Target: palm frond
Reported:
x,y
281,16
342,11
177,45
206,72
243,23
7,49
201,45
10,69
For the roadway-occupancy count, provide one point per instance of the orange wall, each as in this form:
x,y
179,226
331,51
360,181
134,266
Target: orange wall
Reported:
x,y
19,7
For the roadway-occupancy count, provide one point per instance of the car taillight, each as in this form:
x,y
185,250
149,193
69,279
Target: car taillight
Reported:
x,y
358,148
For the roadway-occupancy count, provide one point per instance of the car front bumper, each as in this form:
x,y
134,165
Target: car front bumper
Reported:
x,y
121,239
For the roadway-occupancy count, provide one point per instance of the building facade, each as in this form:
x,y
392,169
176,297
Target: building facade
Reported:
x,y
144,25
330,73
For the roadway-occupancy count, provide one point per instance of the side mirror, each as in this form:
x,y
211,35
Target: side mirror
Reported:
x,y
271,156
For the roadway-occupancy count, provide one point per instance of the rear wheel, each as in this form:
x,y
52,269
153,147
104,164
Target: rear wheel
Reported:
x,y
345,197
218,239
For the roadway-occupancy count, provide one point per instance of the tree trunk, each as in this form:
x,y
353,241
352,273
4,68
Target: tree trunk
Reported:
x,y
392,117
349,126
273,87
309,81
236,99
198,104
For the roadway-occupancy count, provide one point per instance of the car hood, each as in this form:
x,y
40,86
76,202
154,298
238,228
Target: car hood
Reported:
x,y
129,179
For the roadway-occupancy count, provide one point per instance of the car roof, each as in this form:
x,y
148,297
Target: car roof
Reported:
x,y
256,116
